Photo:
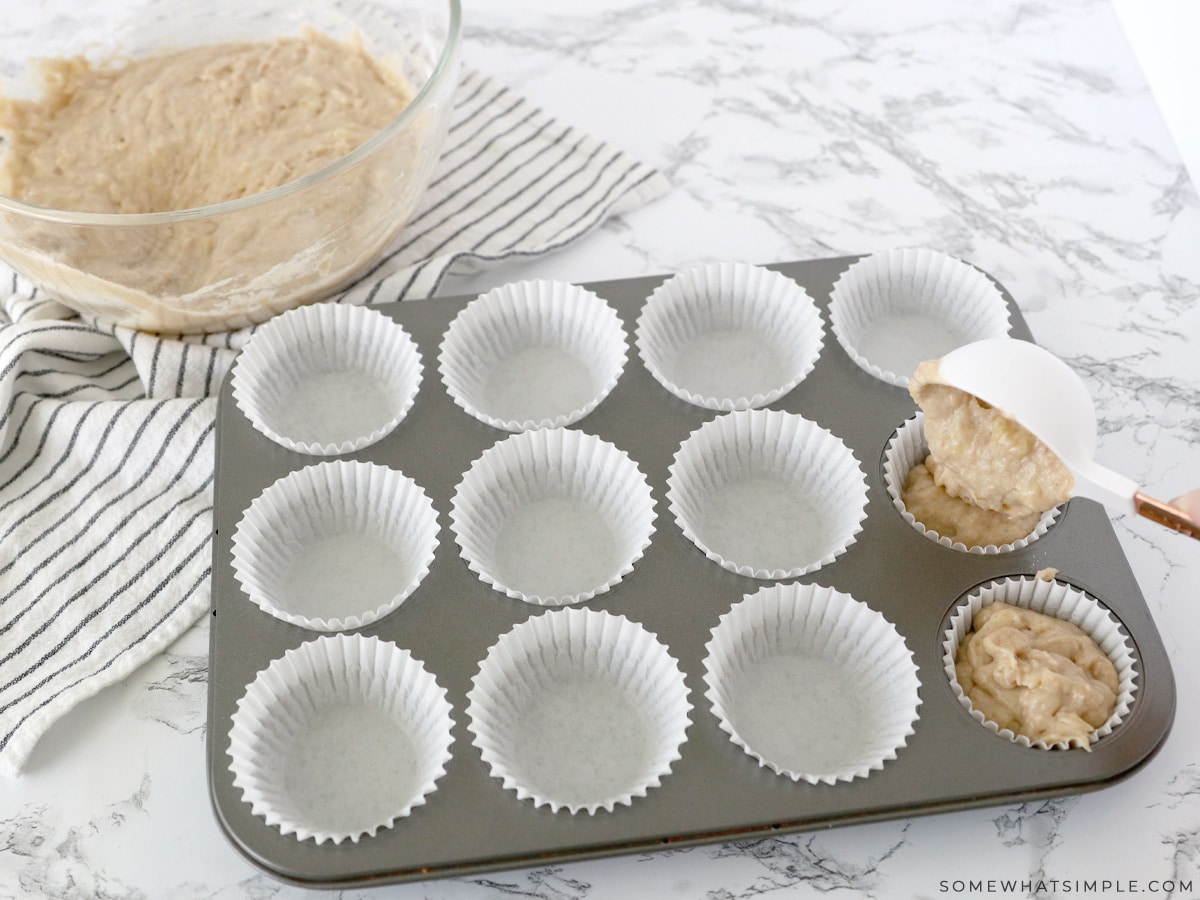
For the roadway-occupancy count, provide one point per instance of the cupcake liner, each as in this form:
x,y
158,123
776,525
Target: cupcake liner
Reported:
x,y
895,309
813,684
336,545
767,494
328,378
339,738
1063,601
533,354
579,709
552,517
906,449
729,336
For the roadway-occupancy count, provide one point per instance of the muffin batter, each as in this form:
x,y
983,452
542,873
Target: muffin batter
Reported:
x,y
192,127
984,457
1036,675
957,519
987,480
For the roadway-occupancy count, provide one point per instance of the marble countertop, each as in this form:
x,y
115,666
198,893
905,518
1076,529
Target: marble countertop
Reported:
x,y
1021,137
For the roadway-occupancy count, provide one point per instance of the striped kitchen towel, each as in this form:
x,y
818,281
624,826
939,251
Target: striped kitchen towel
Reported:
x,y
106,435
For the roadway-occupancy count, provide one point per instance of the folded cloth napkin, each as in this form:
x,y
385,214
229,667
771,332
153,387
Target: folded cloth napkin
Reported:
x,y
106,434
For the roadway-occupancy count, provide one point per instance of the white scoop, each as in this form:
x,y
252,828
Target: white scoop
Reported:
x,y
1042,393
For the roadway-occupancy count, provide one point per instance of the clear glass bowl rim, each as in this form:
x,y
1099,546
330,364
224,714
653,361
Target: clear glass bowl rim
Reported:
x,y
441,71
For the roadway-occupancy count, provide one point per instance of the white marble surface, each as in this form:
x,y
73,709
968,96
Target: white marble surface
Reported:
x,y
1022,137
1162,34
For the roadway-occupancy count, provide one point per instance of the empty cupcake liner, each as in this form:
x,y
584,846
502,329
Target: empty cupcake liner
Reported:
x,y
579,709
336,545
327,378
892,310
729,336
552,517
1063,601
339,738
533,354
906,449
767,494
811,683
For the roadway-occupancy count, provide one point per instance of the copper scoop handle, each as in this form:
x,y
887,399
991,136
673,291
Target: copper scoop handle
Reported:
x,y
1166,514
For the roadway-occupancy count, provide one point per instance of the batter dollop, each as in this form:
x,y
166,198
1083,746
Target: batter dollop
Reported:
x,y
958,519
1036,675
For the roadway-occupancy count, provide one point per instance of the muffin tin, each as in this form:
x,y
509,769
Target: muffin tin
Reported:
x,y
716,790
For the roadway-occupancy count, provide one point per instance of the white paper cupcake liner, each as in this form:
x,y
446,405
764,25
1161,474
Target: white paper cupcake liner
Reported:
x,y
579,709
729,336
336,545
767,494
906,449
1063,601
533,354
552,517
339,738
892,310
327,378
811,683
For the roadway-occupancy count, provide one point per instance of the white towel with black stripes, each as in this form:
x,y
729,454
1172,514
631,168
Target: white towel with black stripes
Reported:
x,y
106,434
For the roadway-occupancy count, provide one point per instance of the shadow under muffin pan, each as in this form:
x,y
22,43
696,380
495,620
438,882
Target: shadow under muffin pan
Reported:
x,y
716,790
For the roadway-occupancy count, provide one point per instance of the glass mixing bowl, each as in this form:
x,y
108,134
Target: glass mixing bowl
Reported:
x,y
234,263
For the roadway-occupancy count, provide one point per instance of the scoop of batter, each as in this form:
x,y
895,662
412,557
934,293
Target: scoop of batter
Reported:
x,y
983,457
191,127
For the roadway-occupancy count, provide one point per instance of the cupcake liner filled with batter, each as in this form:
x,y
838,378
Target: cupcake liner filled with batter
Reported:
x,y
579,710
339,738
553,516
812,683
729,336
767,494
893,309
328,378
336,545
943,519
1041,685
533,354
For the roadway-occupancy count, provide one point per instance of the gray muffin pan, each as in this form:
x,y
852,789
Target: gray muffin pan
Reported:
x,y
715,792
